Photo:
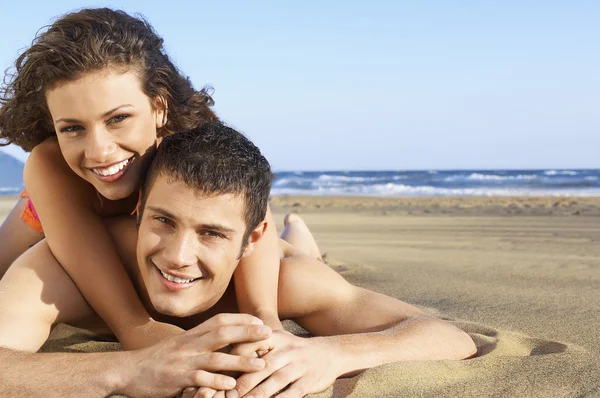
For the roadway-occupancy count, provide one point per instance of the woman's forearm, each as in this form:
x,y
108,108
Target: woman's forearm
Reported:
x,y
82,245
257,276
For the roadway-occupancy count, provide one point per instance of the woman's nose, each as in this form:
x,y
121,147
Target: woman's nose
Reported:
x,y
100,146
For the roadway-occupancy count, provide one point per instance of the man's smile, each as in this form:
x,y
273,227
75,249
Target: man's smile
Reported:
x,y
175,282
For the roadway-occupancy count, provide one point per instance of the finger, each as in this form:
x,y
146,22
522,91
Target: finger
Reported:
x,y
205,392
219,362
248,381
277,381
189,392
298,389
202,378
231,394
251,349
263,352
222,336
221,394
226,320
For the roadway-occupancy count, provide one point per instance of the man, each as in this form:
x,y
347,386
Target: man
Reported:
x,y
202,209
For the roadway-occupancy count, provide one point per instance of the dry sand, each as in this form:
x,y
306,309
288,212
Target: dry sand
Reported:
x,y
521,275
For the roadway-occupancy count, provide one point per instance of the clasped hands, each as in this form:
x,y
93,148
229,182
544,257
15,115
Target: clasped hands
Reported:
x,y
225,346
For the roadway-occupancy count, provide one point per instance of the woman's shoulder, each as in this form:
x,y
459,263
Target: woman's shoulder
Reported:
x,y
46,171
47,151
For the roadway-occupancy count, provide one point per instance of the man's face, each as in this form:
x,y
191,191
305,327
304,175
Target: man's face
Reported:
x,y
188,246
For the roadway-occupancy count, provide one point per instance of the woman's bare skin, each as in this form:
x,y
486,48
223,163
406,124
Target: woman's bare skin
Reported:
x,y
16,236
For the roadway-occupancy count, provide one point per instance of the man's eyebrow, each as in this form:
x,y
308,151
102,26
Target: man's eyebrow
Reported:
x,y
105,114
216,227
162,211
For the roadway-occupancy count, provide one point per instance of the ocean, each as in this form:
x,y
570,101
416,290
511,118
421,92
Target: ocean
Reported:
x,y
430,183
440,183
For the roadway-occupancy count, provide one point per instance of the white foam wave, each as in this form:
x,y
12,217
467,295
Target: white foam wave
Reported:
x,y
560,173
489,177
11,189
330,178
405,190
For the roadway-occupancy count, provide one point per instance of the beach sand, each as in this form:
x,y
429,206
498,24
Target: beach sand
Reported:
x,y
521,275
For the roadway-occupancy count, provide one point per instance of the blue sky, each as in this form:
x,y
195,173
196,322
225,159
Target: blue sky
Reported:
x,y
345,85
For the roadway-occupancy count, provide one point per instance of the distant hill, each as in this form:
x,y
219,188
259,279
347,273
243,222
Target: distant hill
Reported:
x,y
11,171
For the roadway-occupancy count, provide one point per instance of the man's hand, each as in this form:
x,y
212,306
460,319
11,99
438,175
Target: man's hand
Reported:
x,y
189,359
306,365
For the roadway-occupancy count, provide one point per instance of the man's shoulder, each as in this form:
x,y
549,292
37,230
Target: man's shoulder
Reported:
x,y
307,285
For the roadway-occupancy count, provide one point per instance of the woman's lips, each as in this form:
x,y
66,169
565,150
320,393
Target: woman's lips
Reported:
x,y
115,176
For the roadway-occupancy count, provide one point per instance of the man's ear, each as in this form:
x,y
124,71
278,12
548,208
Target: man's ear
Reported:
x,y
254,237
161,110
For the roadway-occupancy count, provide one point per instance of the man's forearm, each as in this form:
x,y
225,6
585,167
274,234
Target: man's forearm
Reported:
x,y
61,374
418,338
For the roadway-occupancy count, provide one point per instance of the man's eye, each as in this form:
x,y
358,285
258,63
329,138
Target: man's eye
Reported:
x,y
163,220
71,129
211,234
118,118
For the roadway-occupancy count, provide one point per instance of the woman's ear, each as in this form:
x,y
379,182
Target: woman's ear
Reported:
x,y
161,110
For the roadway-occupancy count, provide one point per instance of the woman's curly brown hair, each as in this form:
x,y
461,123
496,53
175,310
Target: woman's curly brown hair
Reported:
x,y
86,41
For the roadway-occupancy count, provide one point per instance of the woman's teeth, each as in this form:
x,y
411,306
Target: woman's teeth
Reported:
x,y
176,279
112,170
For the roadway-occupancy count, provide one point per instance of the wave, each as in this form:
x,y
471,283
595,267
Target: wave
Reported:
x,y
9,191
489,177
334,178
560,173
391,189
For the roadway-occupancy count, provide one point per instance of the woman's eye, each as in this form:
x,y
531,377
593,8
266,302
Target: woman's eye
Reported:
x,y
118,118
71,129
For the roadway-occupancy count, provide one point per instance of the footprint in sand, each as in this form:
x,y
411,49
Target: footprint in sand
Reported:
x,y
505,343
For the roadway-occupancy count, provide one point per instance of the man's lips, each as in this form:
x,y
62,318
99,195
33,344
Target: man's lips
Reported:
x,y
173,282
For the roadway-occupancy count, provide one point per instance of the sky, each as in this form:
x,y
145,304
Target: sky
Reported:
x,y
382,85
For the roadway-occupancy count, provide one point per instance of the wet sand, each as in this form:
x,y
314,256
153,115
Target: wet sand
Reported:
x,y
521,275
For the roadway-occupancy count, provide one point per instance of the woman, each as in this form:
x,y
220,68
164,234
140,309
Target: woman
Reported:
x,y
91,99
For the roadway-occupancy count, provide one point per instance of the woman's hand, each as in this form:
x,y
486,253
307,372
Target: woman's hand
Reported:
x,y
302,365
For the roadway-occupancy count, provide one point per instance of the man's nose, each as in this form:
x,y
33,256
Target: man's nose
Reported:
x,y
100,146
180,251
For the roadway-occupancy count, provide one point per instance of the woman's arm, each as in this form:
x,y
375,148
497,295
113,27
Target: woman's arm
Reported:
x,y
81,244
257,276
16,236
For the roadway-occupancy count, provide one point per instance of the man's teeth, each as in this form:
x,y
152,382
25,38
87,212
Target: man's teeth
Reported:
x,y
112,170
176,279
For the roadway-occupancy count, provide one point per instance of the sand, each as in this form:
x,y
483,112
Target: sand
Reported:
x,y
521,275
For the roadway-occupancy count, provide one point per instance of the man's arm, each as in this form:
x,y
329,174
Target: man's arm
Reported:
x,y
359,329
31,375
162,370
325,304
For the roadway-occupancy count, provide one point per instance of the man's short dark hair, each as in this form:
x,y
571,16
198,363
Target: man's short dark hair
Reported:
x,y
216,160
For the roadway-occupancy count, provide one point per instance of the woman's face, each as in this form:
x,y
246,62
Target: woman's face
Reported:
x,y
106,128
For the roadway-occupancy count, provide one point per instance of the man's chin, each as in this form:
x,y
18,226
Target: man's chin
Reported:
x,y
169,309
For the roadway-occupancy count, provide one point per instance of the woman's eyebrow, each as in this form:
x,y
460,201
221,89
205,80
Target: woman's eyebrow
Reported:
x,y
105,114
